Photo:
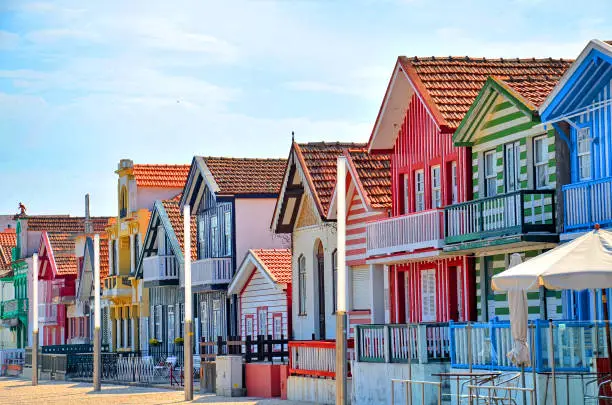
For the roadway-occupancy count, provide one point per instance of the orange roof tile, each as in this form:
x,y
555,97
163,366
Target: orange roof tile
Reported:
x,y
103,258
451,84
277,261
533,89
61,242
64,223
8,240
176,220
161,176
66,264
320,159
374,172
247,175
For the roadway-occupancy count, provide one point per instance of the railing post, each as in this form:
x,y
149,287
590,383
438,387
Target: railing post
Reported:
x,y
387,343
522,211
422,343
589,201
469,345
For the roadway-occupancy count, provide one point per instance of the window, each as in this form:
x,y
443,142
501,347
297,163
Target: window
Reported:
x,y
214,236
277,330
436,195
540,161
584,153
216,314
490,175
157,322
335,279
512,166
182,323
248,326
262,321
419,190
454,188
360,288
302,285
228,232
428,295
171,327
406,188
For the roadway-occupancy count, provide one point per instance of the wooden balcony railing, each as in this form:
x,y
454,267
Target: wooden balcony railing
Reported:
x,y
117,285
519,212
316,358
405,233
14,308
160,268
588,203
217,270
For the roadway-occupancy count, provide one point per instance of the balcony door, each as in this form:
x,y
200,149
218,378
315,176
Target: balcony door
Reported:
x,y
320,268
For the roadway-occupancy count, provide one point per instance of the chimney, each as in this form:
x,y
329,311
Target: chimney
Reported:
x,y
88,225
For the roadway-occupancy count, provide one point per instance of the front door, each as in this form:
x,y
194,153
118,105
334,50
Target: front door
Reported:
x,y
321,278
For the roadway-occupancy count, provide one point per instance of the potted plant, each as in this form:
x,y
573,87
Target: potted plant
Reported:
x,y
179,341
154,342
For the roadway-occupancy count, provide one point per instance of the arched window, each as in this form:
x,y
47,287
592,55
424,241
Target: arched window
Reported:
x,y
123,202
335,279
302,284
320,274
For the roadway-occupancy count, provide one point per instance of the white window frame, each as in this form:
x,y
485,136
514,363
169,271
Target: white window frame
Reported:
x,y
512,166
436,187
583,134
540,166
302,285
419,190
227,217
454,183
406,188
262,321
428,295
214,236
490,179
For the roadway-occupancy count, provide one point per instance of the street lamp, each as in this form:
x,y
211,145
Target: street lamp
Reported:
x,y
188,305
96,360
341,359
35,319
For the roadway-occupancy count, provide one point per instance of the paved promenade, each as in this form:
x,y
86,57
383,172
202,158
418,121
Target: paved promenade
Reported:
x,y
19,391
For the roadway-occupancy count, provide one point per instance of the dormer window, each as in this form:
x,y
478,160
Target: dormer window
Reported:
x,y
123,202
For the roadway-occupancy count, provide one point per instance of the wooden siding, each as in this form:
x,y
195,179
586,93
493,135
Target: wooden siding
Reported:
x,y
447,283
259,293
212,309
205,242
421,145
357,218
497,301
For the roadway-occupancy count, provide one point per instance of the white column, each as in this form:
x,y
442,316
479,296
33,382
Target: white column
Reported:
x,y
97,317
132,254
118,320
377,294
187,263
341,234
387,296
35,292
125,332
117,257
133,332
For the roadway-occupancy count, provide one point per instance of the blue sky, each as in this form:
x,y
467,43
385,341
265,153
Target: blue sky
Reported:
x,y
86,83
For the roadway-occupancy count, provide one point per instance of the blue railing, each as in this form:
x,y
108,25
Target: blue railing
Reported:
x,y
588,203
575,345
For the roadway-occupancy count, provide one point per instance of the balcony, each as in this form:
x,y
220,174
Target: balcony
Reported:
x,y
117,286
205,272
160,270
513,214
407,233
14,308
588,203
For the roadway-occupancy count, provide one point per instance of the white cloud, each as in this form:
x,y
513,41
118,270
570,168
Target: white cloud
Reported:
x,y
8,40
45,37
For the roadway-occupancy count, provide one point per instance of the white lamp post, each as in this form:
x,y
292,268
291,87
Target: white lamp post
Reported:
x,y
97,360
35,319
188,305
341,321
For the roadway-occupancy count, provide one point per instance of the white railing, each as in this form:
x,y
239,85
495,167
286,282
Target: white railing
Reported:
x,y
47,313
211,271
162,267
405,233
588,203
316,358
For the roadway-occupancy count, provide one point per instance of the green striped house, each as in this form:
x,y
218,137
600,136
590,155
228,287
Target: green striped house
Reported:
x,y
514,182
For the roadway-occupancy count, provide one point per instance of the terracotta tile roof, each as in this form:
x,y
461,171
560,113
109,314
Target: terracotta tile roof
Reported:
x,y
103,258
452,83
277,262
161,176
8,240
320,159
176,219
374,172
61,242
66,264
246,175
64,223
534,90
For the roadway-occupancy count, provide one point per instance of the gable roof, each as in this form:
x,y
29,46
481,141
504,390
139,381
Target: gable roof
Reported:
x,y
525,93
273,264
171,207
57,255
591,70
373,174
64,223
449,85
160,175
225,176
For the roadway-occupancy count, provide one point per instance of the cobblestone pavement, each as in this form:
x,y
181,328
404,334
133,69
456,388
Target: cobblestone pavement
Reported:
x,y
19,391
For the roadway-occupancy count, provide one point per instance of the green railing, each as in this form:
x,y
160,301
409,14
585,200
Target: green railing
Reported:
x,y
13,308
518,212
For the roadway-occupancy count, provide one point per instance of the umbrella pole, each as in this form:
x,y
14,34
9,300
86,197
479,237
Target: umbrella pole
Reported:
x,y
604,298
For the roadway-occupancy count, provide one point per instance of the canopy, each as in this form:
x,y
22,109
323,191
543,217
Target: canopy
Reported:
x,y
585,262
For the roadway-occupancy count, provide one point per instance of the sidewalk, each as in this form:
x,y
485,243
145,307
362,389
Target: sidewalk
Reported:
x,y
19,391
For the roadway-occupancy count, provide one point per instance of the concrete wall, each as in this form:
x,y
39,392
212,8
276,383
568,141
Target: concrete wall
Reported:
x,y
372,382
145,197
317,390
304,243
253,216
7,221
